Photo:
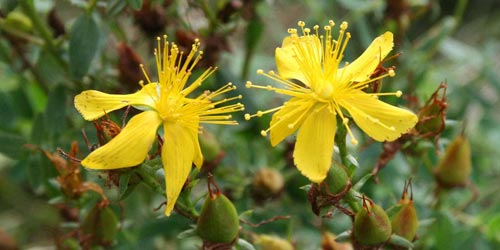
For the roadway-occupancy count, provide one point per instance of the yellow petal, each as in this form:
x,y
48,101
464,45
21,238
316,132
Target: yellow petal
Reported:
x,y
130,147
93,104
361,69
178,154
314,146
198,156
381,121
296,53
288,119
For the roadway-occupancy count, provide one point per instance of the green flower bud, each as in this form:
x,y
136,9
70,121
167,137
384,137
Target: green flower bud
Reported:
x,y
404,219
269,242
455,167
16,20
218,221
371,224
101,224
267,183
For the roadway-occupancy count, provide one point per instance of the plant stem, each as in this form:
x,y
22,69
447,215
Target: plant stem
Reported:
x,y
350,199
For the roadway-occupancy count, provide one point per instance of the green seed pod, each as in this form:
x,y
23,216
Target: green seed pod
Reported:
x,y
404,220
218,221
337,178
101,224
371,224
209,146
455,167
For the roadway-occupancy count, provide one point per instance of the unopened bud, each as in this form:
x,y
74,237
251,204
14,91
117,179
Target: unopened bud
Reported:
x,y
218,221
371,224
267,183
269,242
455,167
18,21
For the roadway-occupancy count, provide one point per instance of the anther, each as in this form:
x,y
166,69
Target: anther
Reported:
x,y
301,24
248,84
263,133
354,141
392,73
260,71
345,121
344,25
331,22
247,117
259,113
399,93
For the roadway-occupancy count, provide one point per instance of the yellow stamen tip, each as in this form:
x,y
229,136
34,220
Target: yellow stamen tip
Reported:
x,y
345,121
248,84
260,71
344,25
392,73
301,24
354,141
259,113
399,93
247,117
263,133
331,22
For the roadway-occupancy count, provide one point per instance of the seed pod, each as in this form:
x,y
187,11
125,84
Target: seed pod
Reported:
x,y
218,221
371,224
404,220
269,242
337,178
455,167
101,224
209,146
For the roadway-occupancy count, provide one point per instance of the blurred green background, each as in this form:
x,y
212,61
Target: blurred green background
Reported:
x,y
50,50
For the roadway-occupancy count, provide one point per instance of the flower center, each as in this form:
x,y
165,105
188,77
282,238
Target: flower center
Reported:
x,y
326,91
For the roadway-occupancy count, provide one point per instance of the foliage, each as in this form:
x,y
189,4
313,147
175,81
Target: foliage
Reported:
x,y
52,50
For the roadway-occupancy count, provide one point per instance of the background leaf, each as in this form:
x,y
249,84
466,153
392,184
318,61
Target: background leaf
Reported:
x,y
83,44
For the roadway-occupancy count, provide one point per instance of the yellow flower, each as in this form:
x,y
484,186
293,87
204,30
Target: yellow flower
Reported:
x,y
325,91
163,103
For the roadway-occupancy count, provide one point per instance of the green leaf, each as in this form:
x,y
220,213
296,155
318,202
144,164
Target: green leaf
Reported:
x,y
11,145
187,234
115,7
55,112
244,245
83,44
135,4
400,241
